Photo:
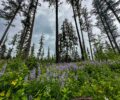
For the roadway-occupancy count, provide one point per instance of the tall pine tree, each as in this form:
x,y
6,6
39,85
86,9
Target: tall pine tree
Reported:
x,y
9,12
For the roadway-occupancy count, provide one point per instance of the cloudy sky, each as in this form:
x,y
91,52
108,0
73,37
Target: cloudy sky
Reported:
x,y
45,23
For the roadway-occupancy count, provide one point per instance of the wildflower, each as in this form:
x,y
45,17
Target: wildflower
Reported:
x,y
33,74
2,93
14,82
75,67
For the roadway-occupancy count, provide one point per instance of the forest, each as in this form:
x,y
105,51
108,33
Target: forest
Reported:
x,y
77,58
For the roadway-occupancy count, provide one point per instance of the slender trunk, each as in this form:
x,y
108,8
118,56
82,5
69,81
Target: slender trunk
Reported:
x,y
67,54
90,43
90,48
24,53
113,11
88,30
79,17
82,51
57,32
107,33
24,34
31,30
60,48
114,40
8,27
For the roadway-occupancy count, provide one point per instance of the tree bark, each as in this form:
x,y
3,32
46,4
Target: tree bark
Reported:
x,y
31,30
107,33
114,40
8,27
57,32
82,51
113,11
79,17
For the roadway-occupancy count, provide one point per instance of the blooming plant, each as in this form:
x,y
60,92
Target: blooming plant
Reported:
x,y
61,81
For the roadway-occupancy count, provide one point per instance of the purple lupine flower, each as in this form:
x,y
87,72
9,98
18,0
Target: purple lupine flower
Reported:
x,y
33,74
62,67
39,73
55,75
75,67
63,76
62,79
49,74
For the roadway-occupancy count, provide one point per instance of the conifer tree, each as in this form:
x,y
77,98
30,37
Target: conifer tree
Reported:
x,y
76,55
73,4
56,4
68,41
40,51
3,49
28,25
78,7
107,22
13,42
33,50
88,28
9,12
48,56
113,5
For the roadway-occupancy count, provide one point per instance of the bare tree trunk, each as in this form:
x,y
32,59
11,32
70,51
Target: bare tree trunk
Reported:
x,y
57,32
8,27
90,48
107,33
114,40
113,11
79,17
31,30
82,51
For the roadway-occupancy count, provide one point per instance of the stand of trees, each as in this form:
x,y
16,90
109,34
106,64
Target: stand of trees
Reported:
x,y
106,23
68,39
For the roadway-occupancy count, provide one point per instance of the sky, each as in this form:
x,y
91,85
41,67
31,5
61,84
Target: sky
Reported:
x,y
45,24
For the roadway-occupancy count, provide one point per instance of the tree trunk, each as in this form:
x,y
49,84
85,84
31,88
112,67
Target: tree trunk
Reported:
x,y
31,30
79,17
90,47
23,35
8,27
113,11
57,32
114,40
107,33
82,51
